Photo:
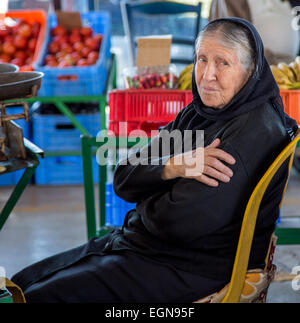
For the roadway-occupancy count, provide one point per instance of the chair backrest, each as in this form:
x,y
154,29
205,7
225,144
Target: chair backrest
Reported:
x,y
248,225
153,8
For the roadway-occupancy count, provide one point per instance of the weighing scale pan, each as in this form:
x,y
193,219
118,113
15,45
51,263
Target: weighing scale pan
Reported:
x,y
19,84
8,68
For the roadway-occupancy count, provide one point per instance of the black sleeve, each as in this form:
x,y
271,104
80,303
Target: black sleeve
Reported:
x,y
133,183
192,209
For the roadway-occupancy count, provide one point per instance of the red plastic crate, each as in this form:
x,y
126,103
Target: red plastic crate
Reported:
x,y
291,102
146,110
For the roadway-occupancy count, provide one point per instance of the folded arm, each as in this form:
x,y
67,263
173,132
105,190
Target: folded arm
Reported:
x,y
192,209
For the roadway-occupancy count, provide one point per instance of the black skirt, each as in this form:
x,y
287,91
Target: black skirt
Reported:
x,y
88,274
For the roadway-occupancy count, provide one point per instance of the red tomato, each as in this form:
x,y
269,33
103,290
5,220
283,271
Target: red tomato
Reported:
x,y
24,30
76,57
66,47
5,58
75,31
36,29
64,64
78,46
5,32
82,62
17,61
49,58
21,55
86,31
32,44
8,48
92,43
85,52
60,55
20,41
53,48
59,31
52,64
92,58
74,38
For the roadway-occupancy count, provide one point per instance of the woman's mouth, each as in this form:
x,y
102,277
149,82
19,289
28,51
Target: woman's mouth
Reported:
x,y
209,89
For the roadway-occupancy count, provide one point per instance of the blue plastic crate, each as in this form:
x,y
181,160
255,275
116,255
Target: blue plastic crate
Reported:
x,y
89,80
57,133
62,170
279,218
11,179
115,207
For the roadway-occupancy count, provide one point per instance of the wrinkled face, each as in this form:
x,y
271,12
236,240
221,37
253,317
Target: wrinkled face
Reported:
x,y
219,73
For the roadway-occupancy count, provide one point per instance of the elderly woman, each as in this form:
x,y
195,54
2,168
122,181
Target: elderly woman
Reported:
x,y
180,242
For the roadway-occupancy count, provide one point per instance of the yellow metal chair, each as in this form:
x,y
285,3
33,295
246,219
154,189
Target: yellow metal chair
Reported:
x,y
251,286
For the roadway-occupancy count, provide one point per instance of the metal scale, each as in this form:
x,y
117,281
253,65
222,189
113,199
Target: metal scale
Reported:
x,y
14,88
11,135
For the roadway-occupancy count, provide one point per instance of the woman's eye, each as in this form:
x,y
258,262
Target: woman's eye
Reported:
x,y
225,63
201,59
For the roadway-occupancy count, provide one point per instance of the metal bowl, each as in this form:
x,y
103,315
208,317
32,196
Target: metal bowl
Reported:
x,y
8,68
19,85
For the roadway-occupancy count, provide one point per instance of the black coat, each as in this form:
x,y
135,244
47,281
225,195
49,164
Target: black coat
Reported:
x,y
189,224
194,226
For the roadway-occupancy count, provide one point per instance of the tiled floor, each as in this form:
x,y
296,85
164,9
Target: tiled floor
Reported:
x,y
48,220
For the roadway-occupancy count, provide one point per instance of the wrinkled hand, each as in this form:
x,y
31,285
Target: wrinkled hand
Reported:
x,y
203,164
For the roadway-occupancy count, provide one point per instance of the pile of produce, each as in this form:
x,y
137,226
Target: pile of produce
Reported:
x,y
77,47
18,42
149,77
153,80
185,78
287,76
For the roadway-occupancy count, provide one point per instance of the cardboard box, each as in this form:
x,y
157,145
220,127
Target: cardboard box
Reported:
x,y
154,50
68,19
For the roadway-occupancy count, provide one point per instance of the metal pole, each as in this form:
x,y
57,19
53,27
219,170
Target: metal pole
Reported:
x,y
91,5
57,4
88,187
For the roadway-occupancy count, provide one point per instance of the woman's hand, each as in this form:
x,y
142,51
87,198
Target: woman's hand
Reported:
x,y
202,164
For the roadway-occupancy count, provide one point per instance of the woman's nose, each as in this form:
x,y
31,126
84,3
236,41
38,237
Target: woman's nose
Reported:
x,y
209,72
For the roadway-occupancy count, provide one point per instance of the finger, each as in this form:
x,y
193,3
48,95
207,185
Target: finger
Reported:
x,y
212,172
220,154
207,180
214,144
218,166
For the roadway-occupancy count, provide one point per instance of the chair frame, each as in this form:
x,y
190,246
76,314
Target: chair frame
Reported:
x,y
249,221
150,7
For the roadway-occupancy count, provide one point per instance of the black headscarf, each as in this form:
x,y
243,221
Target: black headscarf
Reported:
x,y
260,88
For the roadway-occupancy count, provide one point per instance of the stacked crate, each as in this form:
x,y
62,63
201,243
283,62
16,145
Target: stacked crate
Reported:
x,y
55,133
60,140
115,207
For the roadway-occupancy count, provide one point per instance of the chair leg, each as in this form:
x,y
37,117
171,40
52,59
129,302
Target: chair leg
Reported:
x,y
262,298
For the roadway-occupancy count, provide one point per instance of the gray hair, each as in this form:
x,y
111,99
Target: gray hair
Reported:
x,y
234,36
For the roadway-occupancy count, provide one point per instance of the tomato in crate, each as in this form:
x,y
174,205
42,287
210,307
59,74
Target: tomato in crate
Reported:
x,y
22,37
76,62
